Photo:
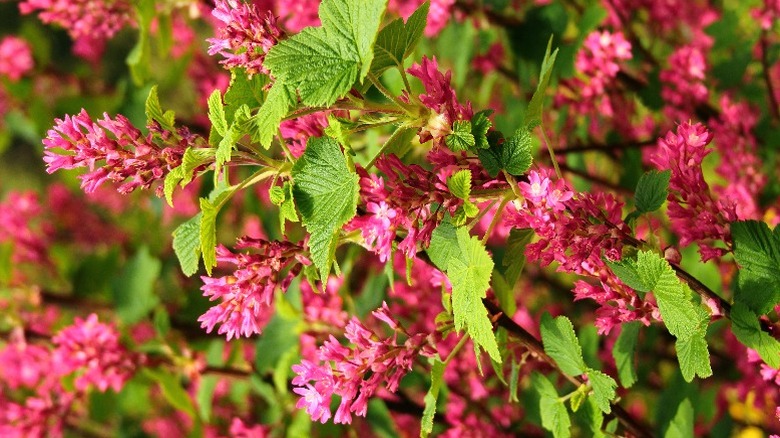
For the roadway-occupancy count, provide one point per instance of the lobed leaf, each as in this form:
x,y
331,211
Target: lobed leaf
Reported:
x,y
560,342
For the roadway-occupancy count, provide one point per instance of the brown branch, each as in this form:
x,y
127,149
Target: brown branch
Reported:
x,y
595,179
470,8
637,144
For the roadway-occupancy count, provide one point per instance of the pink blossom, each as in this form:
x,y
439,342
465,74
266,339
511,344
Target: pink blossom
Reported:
x,y
355,373
297,14
439,12
245,36
246,296
239,429
694,214
682,83
491,60
21,226
300,129
92,351
97,19
768,14
15,58
126,154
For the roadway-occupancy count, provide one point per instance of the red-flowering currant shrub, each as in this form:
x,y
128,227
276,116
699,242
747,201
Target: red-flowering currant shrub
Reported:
x,y
389,218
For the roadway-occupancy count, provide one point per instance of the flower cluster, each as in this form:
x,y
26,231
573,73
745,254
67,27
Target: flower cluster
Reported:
x,y
695,215
299,129
246,296
245,36
126,153
92,350
440,98
15,58
18,216
577,230
439,12
88,22
355,374
683,82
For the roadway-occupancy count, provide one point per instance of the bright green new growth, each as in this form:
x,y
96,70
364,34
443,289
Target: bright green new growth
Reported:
x,y
555,416
469,267
186,245
684,318
513,155
326,193
431,397
461,138
747,329
397,40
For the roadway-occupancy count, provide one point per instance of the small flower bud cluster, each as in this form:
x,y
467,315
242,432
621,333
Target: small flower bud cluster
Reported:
x,y
356,373
15,58
94,20
683,82
246,296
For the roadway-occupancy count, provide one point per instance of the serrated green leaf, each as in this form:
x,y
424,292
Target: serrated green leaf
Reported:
x,y
514,377
397,40
133,289
279,100
225,149
652,190
172,390
682,423
470,277
591,417
757,251
326,193
244,90
623,353
461,138
459,184
603,389
505,294
562,345
217,113
443,246
480,125
287,211
692,352
516,155
627,272
186,245
747,329
323,63
533,114
183,173
208,233
514,257
154,111
555,416
276,195
578,398
339,128
431,398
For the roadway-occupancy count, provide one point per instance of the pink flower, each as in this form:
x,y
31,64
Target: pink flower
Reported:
x,y
490,61
245,37
299,129
246,296
92,350
297,14
97,19
15,58
238,429
683,82
439,13
20,225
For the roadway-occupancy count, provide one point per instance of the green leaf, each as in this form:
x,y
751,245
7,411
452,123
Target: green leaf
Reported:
x,y
652,190
627,272
397,40
578,397
154,111
205,396
172,390
133,289
217,113
323,63
505,294
514,257
562,345
225,149
431,397
682,423
603,389
326,193
470,277
480,125
533,114
747,329
338,128
244,90
183,173
757,251
459,184
186,245
443,246
555,416
287,211
591,416
279,100
208,233
513,155
623,353
461,138
692,352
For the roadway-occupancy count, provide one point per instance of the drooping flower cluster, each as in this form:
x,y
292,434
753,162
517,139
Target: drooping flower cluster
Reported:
x,y
356,373
90,23
577,230
696,217
125,152
598,63
683,81
440,98
19,226
246,296
245,37
92,350
15,58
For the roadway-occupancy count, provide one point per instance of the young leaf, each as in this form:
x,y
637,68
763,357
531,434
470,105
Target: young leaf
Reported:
x,y
480,125
326,193
757,251
747,329
154,111
217,113
243,91
555,416
652,190
513,155
623,353
208,233
461,138
470,277
186,245
692,351
459,184
431,398
279,100
627,272
397,40
682,423
603,389
444,245
183,173
562,345
172,390
533,114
